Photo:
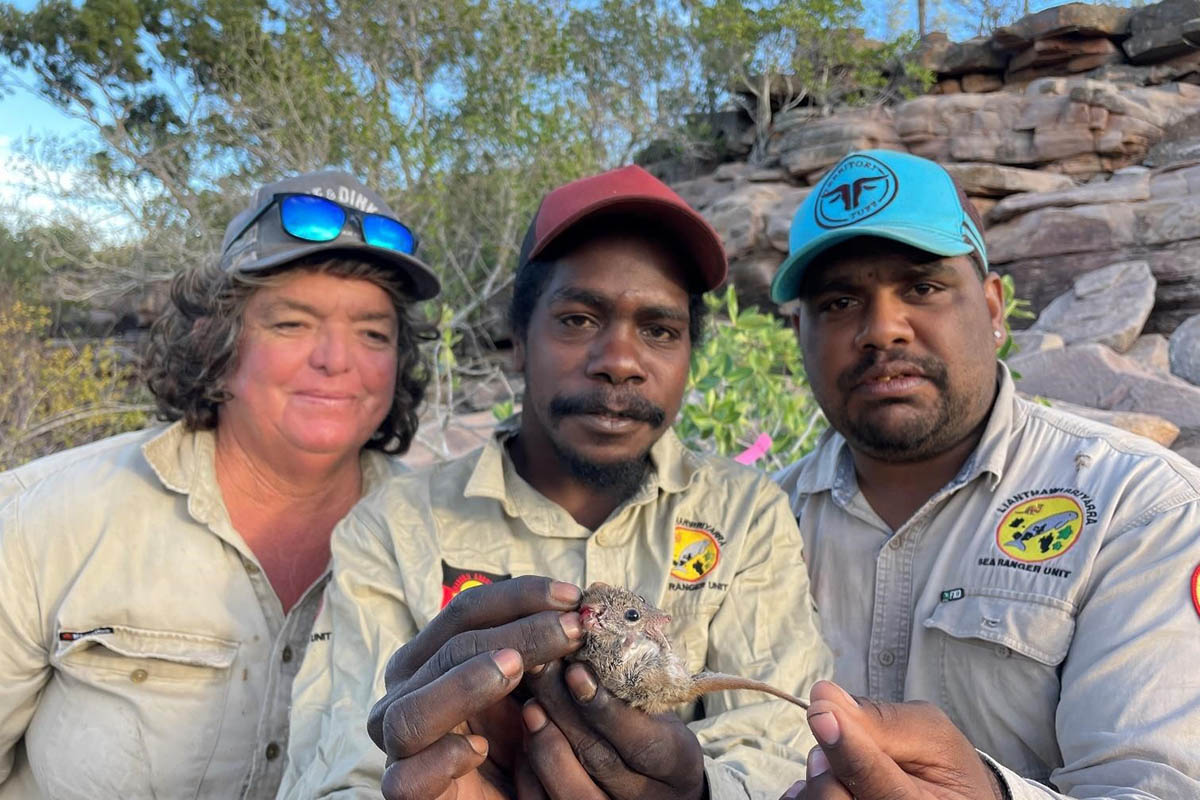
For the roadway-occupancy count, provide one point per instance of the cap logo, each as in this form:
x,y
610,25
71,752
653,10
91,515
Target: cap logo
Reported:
x,y
858,187
347,197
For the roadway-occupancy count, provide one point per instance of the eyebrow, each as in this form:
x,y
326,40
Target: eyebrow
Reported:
x,y
602,303
930,269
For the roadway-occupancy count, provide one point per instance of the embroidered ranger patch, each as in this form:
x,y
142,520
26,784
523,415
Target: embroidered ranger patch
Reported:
x,y
696,553
455,580
1041,528
1196,588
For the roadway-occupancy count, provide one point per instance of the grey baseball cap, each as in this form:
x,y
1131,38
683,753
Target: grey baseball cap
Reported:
x,y
255,240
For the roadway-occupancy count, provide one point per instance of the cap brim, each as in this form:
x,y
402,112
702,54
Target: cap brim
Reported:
x,y
691,231
788,278
423,284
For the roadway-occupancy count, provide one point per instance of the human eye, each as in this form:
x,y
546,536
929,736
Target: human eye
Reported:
x,y
661,333
575,320
288,325
925,289
377,337
836,304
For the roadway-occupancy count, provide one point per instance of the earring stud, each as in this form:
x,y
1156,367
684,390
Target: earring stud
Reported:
x,y
998,334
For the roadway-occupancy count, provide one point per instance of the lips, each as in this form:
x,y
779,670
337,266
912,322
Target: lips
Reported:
x,y
891,371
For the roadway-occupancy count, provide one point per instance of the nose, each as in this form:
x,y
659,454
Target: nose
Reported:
x,y
615,356
331,351
884,324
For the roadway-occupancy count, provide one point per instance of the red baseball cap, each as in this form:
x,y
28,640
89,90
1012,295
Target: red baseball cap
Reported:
x,y
629,192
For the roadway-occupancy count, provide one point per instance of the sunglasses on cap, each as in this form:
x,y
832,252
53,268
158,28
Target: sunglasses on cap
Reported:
x,y
318,219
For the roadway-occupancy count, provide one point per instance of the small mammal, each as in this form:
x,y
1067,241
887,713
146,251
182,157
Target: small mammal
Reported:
x,y
625,645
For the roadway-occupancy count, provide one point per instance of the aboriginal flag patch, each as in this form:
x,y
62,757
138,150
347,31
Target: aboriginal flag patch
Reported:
x,y
455,580
1196,589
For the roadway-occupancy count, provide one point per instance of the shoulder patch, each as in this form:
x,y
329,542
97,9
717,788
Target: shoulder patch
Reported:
x,y
1196,588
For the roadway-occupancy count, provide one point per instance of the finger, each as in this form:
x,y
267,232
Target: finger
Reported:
x,y
653,745
551,758
482,607
855,759
905,732
527,784
542,637
404,725
595,751
824,787
430,773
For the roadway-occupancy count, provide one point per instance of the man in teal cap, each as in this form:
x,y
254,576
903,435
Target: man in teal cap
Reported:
x,y
1033,574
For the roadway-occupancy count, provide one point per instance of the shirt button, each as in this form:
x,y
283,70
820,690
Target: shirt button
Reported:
x,y
287,654
895,543
1003,651
887,658
138,675
272,751
251,568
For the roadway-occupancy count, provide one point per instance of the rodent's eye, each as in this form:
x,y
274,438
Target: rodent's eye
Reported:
x,y
632,614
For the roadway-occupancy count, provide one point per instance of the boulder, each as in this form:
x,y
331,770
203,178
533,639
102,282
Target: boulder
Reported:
x,y
1108,306
1151,353
1126,187
1055,231
980,82
700,193
751,276
1094,375
779,220
1179,143
806,145
1184,351
1157,30
1188,445
974,55
1060,50
1033,341
1082,19
993,180
1153,427
740,217
438,442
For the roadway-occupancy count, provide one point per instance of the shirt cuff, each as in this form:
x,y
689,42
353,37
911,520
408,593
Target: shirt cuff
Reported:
x,y
1015,787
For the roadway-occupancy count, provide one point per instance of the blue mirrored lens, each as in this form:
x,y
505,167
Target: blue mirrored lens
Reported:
x,y
313,219
388,233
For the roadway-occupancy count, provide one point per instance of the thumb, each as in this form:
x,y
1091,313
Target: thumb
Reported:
x,y
855,758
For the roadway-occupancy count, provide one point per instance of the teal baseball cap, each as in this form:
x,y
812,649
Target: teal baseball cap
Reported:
x,y
885,194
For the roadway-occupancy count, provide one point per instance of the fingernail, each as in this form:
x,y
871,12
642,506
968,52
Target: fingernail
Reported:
x,y
850,698
824,726
567,593
534,717
509,662
818,763
570,625
793,791
478,744
536,669
581,683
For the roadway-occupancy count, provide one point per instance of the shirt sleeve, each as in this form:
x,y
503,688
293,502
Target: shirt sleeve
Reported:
x,y
330,754
756,745
1128,719
24,660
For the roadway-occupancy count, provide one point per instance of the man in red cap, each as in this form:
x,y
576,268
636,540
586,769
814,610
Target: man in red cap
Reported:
x,y
587,484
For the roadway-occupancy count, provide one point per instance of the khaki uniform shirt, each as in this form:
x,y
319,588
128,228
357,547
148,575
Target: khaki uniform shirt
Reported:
x,y
1044,599
711,542
143,653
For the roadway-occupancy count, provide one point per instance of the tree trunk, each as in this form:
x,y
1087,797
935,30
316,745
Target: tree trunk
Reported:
x,y
921,17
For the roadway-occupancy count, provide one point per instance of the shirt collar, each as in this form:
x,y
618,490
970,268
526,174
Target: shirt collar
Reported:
x,y
673,469
830,466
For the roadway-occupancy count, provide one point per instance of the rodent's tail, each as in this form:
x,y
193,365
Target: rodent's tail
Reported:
x,y
705,682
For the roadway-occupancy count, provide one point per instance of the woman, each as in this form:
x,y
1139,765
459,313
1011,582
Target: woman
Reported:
x,y
159,588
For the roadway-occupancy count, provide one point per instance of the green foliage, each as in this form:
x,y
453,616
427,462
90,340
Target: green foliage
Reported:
x,y
1014,308
747,379
56,395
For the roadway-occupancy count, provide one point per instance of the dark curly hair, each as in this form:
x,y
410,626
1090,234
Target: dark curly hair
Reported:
x,y
532,276
193,346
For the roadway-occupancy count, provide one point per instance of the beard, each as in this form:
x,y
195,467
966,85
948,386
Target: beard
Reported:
x,y
615,477
917,436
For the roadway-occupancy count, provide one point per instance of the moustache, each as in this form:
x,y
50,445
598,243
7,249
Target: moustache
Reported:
x,y
623,404
933,369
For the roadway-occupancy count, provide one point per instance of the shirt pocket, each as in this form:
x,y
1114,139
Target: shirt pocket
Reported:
x,y
999,659
140,711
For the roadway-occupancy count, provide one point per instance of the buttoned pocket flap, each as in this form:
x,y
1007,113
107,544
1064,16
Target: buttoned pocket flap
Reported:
x,y
1038,630
177,648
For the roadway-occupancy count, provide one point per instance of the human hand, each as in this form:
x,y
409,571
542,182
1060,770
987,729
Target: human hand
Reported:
x,y
582,742
447,722
888,751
